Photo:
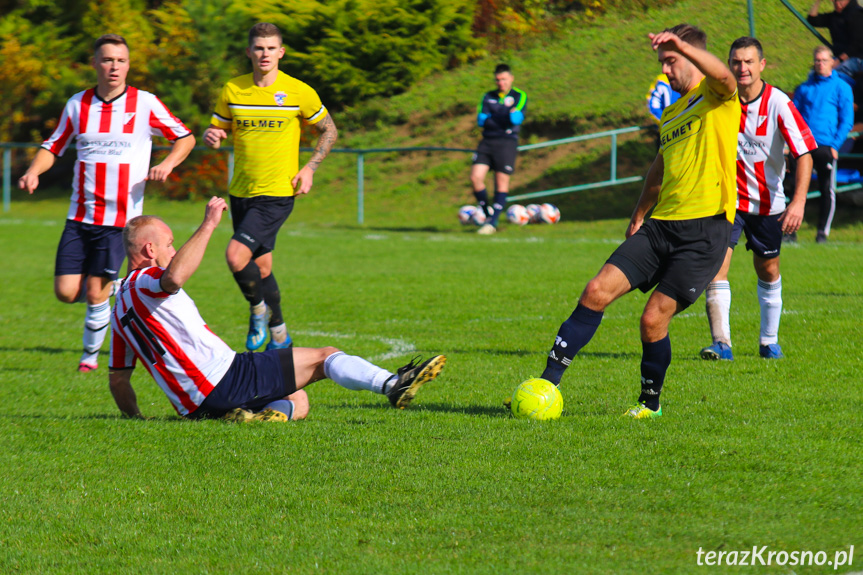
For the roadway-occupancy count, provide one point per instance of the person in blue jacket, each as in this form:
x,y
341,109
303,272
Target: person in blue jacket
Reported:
x,y
500,114
826,102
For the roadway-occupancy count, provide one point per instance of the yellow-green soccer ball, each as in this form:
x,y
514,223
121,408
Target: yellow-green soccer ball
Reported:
x,y
537,399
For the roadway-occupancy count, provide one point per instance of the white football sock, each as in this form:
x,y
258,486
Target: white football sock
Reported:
x,y
95,327
258,309
718,296
770,298
355,373
279,333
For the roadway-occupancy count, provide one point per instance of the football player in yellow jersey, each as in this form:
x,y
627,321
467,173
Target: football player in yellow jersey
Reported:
x,y
263,110
691,183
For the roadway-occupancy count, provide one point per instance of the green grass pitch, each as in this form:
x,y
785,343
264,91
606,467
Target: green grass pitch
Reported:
x,y
748,453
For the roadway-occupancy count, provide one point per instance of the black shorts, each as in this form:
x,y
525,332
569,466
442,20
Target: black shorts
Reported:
x,y
679,257
257,221
498,154
763,234
252,382
90,250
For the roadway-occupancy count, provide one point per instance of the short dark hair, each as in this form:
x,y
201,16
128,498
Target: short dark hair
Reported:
x,y
264,30
133,230
115,39
501,68
746,42
690,34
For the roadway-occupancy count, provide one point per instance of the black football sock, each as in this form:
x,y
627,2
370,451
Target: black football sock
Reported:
x,y
498,206
655,359
249,280
273,297
482,200
573,335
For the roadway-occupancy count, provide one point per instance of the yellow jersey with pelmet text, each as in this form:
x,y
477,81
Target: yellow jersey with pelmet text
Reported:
x,y
266,127
698,136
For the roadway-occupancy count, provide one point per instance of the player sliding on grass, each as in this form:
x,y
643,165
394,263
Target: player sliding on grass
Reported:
x,y
768,121
154,321
690,187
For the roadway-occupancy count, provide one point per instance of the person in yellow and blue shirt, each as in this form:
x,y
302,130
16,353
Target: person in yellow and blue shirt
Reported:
x,y
264,111
691,189
500,114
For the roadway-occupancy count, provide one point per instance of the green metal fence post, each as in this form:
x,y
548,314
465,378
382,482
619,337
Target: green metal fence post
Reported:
x,y
7,178
614,157
751,20
360,186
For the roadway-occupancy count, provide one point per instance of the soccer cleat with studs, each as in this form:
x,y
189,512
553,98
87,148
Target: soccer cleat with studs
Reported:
x,y
85,367
718,350
486,230
641,411
240,415
411,377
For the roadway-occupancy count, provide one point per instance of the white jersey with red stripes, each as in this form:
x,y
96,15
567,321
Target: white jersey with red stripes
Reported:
x,y
767,123
114,144
167,334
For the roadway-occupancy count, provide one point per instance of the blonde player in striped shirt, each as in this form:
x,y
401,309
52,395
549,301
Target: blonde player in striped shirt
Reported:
x,y
768,122
113,125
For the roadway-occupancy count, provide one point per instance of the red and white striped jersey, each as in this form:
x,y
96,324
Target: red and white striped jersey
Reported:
x,y
167,334
114,144
766,125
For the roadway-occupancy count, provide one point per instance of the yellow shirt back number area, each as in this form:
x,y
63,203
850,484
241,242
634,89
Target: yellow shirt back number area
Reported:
x,y
680,131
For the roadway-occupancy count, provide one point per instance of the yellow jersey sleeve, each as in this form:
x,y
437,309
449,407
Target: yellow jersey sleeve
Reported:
x,y
311,108
222,115
698,142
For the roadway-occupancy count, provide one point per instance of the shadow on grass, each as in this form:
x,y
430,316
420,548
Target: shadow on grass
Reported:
x,y
472,410
43,349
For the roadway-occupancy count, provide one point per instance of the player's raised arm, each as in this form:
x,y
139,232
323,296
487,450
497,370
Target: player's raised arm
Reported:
x,y
716,73
302,182
188,258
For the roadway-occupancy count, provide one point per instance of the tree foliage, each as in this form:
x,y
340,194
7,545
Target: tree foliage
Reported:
x,y
185,50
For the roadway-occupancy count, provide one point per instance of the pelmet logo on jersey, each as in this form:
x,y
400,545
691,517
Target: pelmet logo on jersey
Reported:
x,y
259,124
681,130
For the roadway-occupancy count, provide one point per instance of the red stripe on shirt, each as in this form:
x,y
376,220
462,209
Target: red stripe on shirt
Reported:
x,y
155,122
82,180
763,120
803,128
763,192
122,195
105,118
131,106
64,137
742,189
99,193
84,118
743,114
167,342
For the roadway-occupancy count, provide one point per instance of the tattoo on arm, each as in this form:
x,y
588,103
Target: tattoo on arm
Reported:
x,y
329,133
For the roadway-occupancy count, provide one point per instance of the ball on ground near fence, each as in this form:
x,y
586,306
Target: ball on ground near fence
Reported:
x,y
465,215
517,214
533,211
549,213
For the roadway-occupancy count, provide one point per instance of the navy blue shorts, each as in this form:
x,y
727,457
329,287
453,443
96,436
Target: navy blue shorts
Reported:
x,y
253,381
763,234
679,257
257,221
498,154
90,250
